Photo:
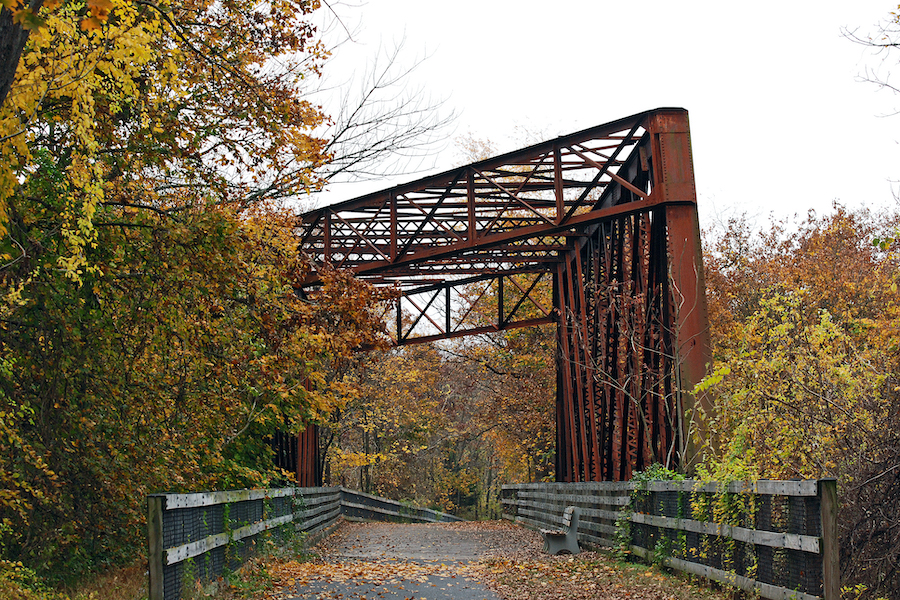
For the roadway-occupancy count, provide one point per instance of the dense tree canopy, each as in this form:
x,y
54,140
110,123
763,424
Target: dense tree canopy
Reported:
x,y
807,369
445,427
150,332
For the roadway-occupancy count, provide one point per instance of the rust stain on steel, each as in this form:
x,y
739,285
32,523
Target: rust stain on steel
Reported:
x,y
606,219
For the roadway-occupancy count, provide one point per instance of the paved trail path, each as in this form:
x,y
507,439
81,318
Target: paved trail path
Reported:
x,y
387,561
444,561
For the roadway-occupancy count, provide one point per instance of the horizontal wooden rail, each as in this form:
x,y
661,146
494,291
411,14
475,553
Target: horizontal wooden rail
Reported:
x,y
198,499
763,486
192,549
747,584
360,505
805,543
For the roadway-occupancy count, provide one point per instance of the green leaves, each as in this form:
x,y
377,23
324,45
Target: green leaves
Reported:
x,y
885,243
151,337
805,347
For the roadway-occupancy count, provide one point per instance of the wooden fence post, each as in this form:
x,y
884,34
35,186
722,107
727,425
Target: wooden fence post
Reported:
x,y
831,562
155,537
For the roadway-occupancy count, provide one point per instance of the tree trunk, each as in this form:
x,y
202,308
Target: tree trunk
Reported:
x,y
12,41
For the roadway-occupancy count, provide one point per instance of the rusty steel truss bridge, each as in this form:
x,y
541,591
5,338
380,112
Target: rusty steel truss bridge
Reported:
x,y
595,232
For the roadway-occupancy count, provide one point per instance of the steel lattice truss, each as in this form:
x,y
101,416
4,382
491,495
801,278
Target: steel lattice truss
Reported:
x,y
594,231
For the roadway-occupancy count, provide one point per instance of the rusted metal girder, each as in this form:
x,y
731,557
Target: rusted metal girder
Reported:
x,y
602,224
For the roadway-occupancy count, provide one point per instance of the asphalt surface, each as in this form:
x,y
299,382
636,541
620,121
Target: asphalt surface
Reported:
x,y
415,541
387,561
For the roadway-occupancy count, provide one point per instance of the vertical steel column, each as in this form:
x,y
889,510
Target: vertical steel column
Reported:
x,y
563,449
601,259
309,471
660,313
587,369
616,339
674,181
568,425
574,354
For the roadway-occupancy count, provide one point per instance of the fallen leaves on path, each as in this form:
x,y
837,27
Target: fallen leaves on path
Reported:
x,y
589,575
292,577
514,568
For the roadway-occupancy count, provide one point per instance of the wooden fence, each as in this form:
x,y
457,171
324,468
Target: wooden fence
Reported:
x,y
776,538
196,537
360,506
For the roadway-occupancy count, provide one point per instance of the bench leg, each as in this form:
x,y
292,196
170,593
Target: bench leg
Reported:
x,y
560,544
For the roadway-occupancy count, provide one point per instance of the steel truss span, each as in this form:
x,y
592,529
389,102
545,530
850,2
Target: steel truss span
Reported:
x,y
597,232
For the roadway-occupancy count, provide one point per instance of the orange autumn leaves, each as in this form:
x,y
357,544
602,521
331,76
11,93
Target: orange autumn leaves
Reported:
x,y
803,320
151,336
97,13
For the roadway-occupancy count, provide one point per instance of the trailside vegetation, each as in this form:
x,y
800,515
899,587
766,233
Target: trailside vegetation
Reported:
x,y
446,425
151,337
804,320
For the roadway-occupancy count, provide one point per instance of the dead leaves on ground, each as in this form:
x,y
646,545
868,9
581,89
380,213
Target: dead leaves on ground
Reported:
x,y
516,571
292,577
588,575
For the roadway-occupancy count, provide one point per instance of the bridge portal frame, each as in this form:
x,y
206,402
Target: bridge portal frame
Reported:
x,y
609,216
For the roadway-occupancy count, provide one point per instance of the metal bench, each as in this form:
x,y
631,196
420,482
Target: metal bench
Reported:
x,y
558,541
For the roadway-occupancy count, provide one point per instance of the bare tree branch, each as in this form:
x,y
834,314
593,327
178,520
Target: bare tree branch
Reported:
x,y
884,43
384,127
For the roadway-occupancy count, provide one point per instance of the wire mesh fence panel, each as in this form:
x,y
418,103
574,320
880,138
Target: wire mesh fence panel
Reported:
x,y
195,538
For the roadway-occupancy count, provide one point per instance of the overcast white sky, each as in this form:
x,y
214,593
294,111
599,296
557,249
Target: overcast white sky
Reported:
x,y
780,124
